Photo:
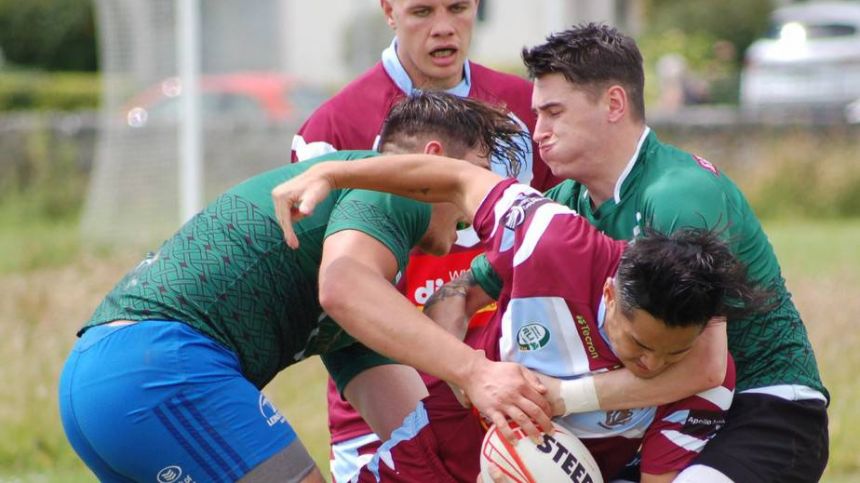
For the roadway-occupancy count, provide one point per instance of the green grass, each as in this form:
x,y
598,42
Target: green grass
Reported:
x,y
45,296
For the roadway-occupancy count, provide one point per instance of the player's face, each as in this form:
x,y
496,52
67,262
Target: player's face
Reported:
x,y
645,345
433,38
441,234
571,127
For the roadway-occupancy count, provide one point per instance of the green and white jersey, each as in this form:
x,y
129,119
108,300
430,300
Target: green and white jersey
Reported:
x,y
229,273
667,189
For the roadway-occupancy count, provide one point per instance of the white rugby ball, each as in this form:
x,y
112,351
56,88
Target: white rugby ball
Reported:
x,y
559,458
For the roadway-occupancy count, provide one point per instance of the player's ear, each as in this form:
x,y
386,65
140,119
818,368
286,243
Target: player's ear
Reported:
x,y
387,11
434,147
609,292
616,99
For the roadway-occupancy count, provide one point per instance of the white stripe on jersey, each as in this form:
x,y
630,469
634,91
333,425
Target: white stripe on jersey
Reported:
x,y
689,443
562,355
540,221
305,150
720,395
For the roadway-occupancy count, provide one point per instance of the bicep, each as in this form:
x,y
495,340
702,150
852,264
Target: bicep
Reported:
x,y
358,247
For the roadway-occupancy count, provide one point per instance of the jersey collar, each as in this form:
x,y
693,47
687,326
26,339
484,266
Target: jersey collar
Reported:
x,y
630,164
601,326
398,74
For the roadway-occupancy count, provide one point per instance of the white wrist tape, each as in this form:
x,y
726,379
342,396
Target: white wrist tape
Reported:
x,y
579,395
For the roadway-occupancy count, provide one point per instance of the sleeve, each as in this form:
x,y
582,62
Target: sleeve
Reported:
x,y
398,223
346,363
563,194
695,200
486,277
682,429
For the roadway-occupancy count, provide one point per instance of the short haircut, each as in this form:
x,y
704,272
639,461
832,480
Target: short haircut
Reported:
x,y
685,279
594,57
460,124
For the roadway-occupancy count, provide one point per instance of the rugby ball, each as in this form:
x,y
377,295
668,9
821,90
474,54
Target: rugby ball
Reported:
x,y
558,458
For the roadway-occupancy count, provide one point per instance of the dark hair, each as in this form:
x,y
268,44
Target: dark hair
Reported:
x,y
460,123
685,279
592,56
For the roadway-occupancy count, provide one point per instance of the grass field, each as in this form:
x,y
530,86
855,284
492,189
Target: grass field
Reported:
x,y
48,286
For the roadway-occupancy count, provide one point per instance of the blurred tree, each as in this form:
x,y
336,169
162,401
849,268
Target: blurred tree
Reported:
x,y
706,40
48,34
738,21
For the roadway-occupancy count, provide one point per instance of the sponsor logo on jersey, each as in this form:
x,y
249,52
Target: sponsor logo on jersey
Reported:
x,y
585,335
707,165
422,293
564,458
532,337
516,215
270,412
616,418
173,474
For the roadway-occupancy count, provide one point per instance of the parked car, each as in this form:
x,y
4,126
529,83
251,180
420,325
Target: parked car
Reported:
x,y
243,97
809,58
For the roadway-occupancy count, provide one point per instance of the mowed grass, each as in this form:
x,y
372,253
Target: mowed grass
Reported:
x,y
45,299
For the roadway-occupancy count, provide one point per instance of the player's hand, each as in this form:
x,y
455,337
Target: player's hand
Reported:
x,y
495,474
504,390
296,198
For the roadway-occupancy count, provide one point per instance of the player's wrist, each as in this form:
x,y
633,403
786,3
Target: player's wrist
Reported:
x,y
467,368
579,395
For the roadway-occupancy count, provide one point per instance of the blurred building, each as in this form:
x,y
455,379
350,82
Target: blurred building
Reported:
x,y
354,31
261,64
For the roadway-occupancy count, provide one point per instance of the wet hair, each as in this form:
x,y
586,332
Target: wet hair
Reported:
x,y
685,279
592,56
460,124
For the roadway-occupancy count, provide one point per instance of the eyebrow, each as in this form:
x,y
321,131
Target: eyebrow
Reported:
x,y
640,344
546,105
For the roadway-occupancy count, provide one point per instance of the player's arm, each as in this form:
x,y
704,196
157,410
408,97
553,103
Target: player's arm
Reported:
x,y
453,304
418,176
702,368
354,289
620,389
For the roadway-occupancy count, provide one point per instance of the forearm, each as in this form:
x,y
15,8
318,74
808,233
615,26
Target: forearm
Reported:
x,y
419,176
455,303
376,314
703,368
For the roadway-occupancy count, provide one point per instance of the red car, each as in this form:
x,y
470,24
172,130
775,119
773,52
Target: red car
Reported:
x,y
248,96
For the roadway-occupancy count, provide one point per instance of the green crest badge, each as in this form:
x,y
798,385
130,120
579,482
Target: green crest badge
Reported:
x,y
532,337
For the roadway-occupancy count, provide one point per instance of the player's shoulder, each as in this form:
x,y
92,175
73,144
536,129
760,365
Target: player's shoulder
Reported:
x,y
669,169
371,92
494,86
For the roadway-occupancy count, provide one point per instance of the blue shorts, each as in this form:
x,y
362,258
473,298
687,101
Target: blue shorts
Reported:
x,y
159,401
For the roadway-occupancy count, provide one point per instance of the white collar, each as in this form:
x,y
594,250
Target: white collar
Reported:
x,y
398,74
630,164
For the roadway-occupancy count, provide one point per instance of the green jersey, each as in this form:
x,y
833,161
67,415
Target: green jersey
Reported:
x,y
667,189
229,273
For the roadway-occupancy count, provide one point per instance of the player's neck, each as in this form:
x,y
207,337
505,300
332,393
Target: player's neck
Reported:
x,y
613,162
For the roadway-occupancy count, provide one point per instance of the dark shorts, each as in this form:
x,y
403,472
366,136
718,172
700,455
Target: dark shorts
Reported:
x,y
770,439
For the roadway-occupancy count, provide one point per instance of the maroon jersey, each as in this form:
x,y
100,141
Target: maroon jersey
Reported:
x,y
353,118
553,265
